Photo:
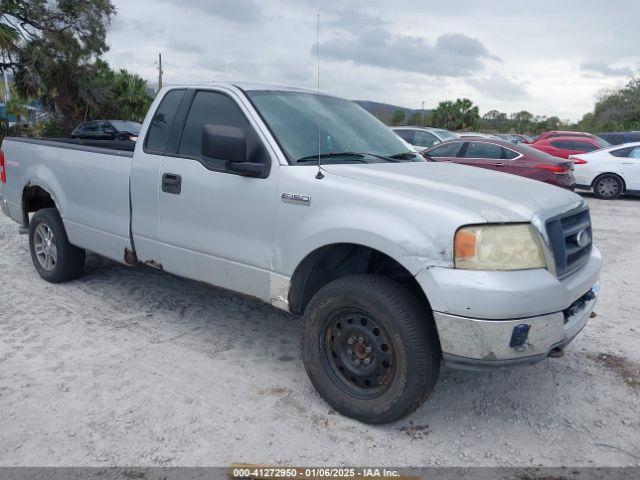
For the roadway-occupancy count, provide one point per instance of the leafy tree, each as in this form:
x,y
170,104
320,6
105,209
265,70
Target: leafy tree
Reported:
x,y
415,119
398,117
522,121
52,47
459,115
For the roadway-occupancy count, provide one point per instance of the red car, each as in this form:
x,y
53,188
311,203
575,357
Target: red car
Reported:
x,y
562,133
562,147
503,156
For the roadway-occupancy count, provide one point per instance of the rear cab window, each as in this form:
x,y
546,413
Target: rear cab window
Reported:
x,y
160,125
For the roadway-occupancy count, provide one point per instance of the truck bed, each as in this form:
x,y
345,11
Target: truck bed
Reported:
x,y
88,181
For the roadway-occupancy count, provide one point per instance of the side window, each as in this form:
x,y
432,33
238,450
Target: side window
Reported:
x,y
214,108
424,139
160,126
90,127
445,150
635,153
483,150
406,135
621,152
584,147
563,144
105,127
509,154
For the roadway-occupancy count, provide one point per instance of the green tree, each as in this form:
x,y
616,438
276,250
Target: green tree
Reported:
x,y
398,117
52,47
522,122
459,115
415,119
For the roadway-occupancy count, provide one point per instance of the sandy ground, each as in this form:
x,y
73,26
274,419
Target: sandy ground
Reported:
x,y
137,367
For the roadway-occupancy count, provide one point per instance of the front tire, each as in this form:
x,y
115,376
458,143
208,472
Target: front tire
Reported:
x,y
370,348
608,186
55,259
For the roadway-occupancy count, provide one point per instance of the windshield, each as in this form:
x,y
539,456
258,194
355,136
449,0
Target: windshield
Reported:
x,y
126,126
344,128
602,142
446,135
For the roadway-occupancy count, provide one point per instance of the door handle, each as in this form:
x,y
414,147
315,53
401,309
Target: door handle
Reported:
x,y
171,183
498,164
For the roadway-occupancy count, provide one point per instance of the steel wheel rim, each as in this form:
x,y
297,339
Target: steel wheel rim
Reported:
x,y
608,187
44,242
358,353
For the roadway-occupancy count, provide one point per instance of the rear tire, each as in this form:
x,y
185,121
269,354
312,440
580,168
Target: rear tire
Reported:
x,y
608,186
55,259
370,348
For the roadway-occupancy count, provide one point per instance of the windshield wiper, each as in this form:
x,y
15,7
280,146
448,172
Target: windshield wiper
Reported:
x,y
330,155
403,156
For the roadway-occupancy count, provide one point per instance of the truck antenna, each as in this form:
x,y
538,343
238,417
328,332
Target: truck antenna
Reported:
x,y
319,175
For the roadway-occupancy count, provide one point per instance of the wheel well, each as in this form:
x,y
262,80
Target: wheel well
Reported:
x,y
331,262
624,185
35,198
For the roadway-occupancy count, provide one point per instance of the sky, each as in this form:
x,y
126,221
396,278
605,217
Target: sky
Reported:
x,y
547,57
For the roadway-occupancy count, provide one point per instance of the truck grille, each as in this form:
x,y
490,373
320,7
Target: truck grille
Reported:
x,y
564,232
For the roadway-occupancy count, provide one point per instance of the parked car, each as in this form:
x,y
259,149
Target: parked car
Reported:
x,y
507,157
562,147
618,138
523,138
563,133
424,137
508,137
396,264
609,172
477,135
107,130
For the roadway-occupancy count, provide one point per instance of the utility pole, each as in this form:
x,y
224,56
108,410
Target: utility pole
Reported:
x,y
422,115
160,72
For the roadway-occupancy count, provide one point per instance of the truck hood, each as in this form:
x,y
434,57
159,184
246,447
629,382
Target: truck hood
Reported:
x,y
493,196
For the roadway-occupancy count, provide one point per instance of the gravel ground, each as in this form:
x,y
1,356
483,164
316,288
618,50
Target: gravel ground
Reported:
x,y
130,366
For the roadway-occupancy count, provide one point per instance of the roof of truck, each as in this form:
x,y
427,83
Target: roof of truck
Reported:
x,y
252,86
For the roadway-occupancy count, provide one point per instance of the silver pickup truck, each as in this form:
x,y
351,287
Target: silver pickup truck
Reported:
x,y
307,202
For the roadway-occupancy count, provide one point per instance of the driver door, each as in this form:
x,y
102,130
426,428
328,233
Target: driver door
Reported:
x,y
216,225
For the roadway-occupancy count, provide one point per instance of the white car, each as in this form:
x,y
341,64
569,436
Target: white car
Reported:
x,y
424,137
609,172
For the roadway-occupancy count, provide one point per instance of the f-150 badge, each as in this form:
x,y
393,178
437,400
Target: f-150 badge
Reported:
x,y
296,198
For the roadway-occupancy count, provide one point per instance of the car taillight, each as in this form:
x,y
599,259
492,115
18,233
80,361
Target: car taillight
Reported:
x,y
557,169
579,161
3,175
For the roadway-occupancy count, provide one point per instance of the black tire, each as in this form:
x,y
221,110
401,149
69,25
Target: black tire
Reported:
x,y
608,186
393,317
66,262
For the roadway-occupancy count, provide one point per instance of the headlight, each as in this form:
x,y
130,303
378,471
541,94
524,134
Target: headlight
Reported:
x,y
498,247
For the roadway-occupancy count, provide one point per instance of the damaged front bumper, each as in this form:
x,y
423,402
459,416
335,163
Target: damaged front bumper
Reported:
x,y
485,344
489,320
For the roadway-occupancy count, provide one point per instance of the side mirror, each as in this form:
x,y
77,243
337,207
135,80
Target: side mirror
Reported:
x,y
230,144
224,143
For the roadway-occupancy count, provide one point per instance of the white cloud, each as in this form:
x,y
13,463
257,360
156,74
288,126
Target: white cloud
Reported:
x,y
508,57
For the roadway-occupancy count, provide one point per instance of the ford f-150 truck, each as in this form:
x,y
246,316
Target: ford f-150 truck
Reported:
x,y
307,202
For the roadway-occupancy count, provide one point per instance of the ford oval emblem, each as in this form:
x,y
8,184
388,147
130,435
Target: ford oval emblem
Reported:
x,y
583,238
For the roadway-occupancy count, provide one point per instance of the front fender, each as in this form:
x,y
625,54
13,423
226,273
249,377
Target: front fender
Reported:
x,y
397,238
